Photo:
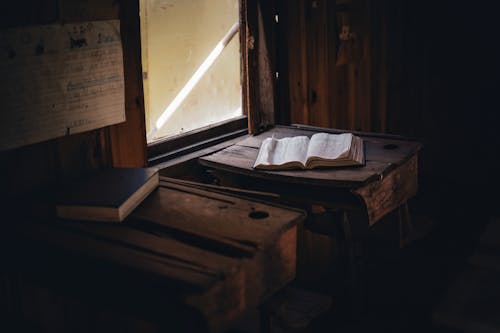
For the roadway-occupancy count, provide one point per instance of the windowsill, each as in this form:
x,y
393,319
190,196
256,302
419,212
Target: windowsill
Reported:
x,y
162,151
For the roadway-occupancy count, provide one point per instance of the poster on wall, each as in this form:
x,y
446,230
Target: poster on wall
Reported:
x,y
58,80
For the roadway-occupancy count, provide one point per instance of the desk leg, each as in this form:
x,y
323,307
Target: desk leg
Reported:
x,y
354,268
405,225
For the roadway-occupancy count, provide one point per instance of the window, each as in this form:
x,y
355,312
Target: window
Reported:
x,y
191,65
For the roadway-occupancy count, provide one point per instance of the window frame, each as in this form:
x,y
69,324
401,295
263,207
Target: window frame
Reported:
x,y
173,146
258,89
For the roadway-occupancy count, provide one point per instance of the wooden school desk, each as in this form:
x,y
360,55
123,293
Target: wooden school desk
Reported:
x,y
361,196
185,260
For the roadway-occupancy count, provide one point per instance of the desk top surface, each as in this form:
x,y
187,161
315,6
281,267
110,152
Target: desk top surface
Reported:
x,y
383,154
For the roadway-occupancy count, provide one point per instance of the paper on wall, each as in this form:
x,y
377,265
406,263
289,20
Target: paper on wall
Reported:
x,y
59,80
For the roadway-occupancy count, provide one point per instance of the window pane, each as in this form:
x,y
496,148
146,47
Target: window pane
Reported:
x,y
190,78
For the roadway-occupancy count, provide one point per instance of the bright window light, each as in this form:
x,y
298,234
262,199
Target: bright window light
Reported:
x,y
172,107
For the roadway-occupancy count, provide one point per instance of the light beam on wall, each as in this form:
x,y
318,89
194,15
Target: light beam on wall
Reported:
x,y
189,86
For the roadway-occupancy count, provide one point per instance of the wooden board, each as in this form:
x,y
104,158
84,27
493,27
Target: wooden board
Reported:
x,y
183,248
384,195
262,234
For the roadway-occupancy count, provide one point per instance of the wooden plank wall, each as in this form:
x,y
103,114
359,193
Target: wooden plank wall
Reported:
x,y
372,80
29,167
420,68
331,80
340,78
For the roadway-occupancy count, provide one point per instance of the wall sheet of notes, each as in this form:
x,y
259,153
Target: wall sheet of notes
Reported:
x,y
59,80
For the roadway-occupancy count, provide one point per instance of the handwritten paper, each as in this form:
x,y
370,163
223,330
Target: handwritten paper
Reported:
x,y
57,80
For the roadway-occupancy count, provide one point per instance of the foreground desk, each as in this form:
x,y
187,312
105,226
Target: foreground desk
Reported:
x,y
185,260
361,196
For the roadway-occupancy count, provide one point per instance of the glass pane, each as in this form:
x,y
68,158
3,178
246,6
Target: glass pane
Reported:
x,y
191,64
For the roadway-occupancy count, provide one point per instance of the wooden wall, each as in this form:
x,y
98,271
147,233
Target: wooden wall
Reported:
x,y
331,78
41,164
419,68
348,62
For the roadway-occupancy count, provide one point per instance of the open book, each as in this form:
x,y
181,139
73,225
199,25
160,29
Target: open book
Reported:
x,y
322,149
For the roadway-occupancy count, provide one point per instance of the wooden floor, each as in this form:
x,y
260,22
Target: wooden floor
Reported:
x,y
404,286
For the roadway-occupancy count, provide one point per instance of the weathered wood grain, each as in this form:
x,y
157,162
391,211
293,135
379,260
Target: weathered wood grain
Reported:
x,y
128,139
391,191
114,253
334,82
387,180
240,159
208,254
293,15
217,217
382,155
259,64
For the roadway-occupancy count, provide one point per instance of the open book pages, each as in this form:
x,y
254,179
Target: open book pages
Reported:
x,y
321,150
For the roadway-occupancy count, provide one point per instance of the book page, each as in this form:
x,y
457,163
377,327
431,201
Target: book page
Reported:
x,y
59,79
329,146
282,152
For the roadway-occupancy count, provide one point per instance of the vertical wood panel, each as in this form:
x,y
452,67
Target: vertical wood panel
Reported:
x,y
331,80
128,139
365,68
296,40
378,88
261,65
317,66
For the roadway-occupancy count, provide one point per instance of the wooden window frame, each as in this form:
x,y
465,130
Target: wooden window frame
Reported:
x,y
181,144
258,67
172,146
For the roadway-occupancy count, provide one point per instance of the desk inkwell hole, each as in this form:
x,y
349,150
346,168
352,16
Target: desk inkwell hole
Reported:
x,y
391,146
258,214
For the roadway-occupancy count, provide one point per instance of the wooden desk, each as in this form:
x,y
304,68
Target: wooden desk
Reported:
x,y
361,195
186,259
387,181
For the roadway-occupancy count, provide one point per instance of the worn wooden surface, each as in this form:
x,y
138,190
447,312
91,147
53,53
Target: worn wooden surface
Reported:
x,y
206,254
382,156
385,195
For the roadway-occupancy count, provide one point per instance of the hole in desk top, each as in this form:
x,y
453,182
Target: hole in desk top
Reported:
x,y
258,214
390,146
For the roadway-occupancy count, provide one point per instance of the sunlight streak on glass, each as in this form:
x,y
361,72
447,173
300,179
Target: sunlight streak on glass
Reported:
x,y
207,63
